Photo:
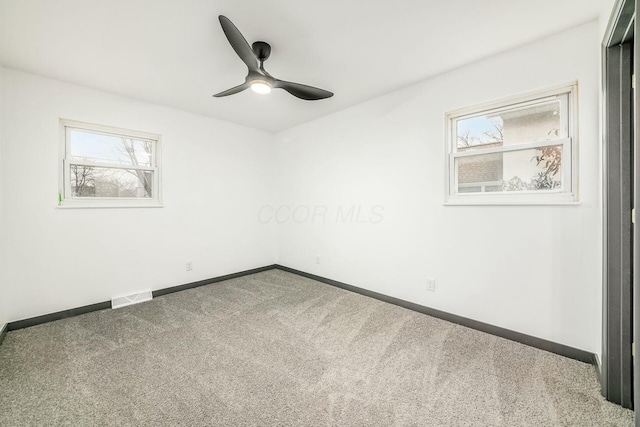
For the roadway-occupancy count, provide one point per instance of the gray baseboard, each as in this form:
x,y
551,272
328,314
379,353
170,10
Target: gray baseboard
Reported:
x,y
192,285
38,320
598,365
553,347
50,317
3,332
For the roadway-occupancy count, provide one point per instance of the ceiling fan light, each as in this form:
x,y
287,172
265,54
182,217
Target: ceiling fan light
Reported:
x,y
261,86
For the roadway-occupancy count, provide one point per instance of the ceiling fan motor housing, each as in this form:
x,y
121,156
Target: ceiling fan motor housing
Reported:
x,y
262,50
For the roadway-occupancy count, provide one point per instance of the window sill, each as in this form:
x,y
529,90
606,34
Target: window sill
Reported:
x,y
91,206
511,202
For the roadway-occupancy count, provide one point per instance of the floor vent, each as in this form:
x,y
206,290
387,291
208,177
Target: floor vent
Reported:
x,y
117,302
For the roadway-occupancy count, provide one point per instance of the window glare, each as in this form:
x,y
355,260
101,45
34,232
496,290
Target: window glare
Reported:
x,y
536,169
88,181
103,148
538,122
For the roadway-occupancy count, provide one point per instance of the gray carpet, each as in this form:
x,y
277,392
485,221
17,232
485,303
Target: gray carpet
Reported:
x,y
278,349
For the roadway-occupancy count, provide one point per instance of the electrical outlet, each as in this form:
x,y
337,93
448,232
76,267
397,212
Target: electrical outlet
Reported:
x,y
317,260
431,284
189,265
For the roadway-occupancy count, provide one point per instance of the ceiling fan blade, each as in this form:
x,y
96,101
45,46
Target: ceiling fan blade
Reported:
x,y
233,90
238,43
301,91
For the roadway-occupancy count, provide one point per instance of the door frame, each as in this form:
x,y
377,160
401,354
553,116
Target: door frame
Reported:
x,y
619,56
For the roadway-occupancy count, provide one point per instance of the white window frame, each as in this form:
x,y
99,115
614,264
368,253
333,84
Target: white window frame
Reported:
x,y
567,194
65,197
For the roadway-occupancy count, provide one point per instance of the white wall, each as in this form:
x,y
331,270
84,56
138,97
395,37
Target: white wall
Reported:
x,y
535,270
4,316
216,176
606,9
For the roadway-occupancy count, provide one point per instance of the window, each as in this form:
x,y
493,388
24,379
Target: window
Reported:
x,y
517,151
108,167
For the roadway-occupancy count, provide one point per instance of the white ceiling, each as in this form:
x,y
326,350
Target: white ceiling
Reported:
x,y
174,52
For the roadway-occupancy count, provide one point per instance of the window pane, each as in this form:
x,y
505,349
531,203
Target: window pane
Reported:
x,y
536,169
96,147
87,181
517,125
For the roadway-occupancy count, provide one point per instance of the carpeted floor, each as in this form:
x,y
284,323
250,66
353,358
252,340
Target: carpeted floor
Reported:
x,y
278,349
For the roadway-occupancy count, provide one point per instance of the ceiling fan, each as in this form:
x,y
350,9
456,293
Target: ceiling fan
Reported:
x,y
258,79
